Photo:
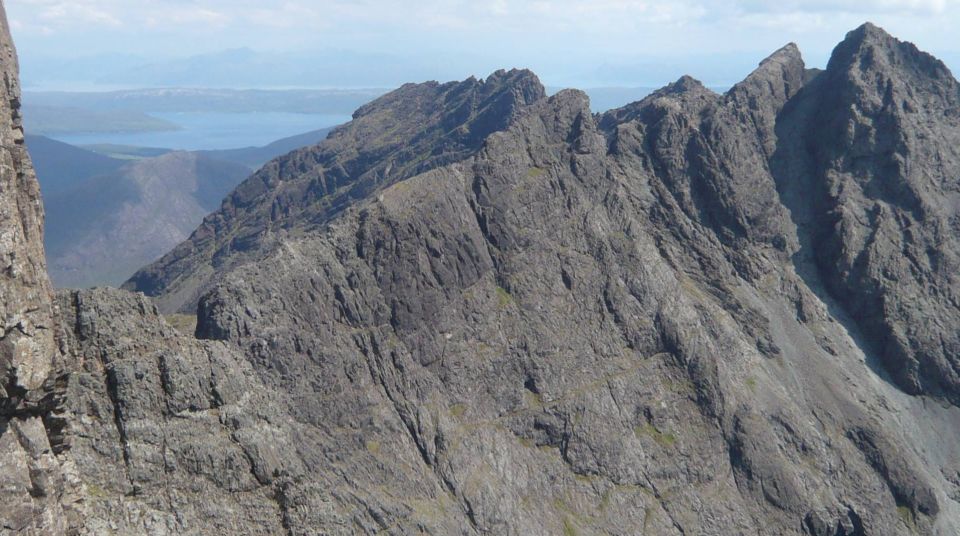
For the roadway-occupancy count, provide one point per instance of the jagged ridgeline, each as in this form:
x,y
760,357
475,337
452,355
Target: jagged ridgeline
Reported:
x,y
476,309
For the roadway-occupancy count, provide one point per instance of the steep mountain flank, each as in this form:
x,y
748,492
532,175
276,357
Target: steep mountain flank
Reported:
x,y
479,310
656,320
871,170
60,166
102,229
106,217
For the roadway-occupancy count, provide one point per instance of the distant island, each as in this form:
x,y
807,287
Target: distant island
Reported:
x,y
52,120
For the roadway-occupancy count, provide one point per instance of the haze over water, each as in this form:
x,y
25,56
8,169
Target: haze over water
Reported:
x,y
213,131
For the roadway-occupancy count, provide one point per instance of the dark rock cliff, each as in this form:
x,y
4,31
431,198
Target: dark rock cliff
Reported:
x,y
704,313
871,167
479,310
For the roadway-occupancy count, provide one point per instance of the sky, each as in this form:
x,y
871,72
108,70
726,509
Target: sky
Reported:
x,y
568,42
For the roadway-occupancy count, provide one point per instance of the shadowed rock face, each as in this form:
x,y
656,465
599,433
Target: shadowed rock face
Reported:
x,y
479,310
874,143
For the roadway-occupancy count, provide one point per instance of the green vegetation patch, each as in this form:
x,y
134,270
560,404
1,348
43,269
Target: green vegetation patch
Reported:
x,y
504,298
125,152
96,491
533,399
186,324
906,514
457,410
663,439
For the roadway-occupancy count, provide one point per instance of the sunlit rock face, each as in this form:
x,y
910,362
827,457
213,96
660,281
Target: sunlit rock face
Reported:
x,y
31,477
27,349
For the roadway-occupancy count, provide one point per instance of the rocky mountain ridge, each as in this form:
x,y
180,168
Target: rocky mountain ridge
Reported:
x,y
310,185
477,309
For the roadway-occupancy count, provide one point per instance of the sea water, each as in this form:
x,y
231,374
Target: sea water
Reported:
x,y
200,131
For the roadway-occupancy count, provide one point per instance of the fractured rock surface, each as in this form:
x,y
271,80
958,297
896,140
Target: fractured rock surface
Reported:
x,y
699,313
477,309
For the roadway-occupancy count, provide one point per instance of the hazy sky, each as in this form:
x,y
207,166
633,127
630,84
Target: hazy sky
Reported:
x,y
560,38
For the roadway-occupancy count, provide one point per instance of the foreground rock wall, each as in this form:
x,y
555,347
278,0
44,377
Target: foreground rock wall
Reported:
x,y
27,349
32,482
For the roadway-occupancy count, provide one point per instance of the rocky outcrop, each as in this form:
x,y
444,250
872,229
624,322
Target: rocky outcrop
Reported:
x,y
477,309
167,434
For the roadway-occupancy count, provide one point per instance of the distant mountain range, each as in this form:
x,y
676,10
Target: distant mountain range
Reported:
x,y
248,68
240,67
172,99
108,216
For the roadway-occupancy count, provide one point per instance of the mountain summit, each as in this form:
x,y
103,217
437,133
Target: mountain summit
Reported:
x,y
477,309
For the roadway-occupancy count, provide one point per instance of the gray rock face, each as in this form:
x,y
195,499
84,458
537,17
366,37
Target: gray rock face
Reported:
x,y
875,197
30,475
678,317
27,346
479,310
168,435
